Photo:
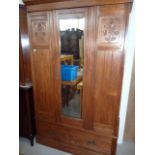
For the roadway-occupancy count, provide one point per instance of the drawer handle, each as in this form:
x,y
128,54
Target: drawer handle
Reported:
x,y
91,142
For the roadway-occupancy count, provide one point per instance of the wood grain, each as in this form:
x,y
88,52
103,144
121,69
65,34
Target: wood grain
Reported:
x,y
21,63
28,2
89,51
40,59
75,137
24,45
50,5
109,66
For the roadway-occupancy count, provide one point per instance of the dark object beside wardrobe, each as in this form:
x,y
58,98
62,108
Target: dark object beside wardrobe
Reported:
x,y
26,104
95,132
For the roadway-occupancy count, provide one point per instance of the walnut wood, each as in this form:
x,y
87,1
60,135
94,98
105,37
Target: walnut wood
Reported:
x,y
21,63
40,59
86,140
24,45
29,2
73,4
66,147
89,55
105,31
110,56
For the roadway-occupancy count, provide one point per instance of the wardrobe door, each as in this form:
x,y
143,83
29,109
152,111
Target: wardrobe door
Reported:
x,y
70,27
39,32
111,23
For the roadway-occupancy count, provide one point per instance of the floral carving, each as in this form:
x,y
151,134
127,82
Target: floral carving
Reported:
x,y
110,30
40,31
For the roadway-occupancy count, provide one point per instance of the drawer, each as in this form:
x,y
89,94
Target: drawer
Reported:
x,y
76,137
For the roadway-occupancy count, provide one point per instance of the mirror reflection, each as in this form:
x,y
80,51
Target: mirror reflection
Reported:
x,y
72,62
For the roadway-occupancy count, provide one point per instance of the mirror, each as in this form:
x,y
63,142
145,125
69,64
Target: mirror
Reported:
x,y
72,62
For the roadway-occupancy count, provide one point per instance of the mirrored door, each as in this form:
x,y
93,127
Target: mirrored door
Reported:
x,y
71,26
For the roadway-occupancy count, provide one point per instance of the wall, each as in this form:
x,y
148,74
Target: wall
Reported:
x,y
129,48
129,134
21,2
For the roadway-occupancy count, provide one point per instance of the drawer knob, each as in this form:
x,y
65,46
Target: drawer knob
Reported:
x,y
91,142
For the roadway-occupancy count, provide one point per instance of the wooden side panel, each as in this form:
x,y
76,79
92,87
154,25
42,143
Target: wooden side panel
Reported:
x,y
39,32
21,63
109,58
24,46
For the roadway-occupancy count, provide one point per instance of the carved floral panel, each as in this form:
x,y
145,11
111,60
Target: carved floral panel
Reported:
x,y
40,34
110,30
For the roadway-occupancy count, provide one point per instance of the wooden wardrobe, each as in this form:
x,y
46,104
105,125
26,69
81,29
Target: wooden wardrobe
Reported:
x,y
95,132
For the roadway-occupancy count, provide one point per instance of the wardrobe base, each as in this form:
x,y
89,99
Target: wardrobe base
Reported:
x,y
76,150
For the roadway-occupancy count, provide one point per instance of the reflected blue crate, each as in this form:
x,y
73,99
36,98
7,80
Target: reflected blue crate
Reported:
x,y
68,72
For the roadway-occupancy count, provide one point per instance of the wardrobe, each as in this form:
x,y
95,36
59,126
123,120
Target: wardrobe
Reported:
x,y
87,124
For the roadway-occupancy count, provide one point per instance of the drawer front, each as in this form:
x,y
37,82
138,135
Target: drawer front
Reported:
x,y
76,137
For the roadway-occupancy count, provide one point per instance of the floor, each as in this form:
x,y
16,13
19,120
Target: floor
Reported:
x,y
127,148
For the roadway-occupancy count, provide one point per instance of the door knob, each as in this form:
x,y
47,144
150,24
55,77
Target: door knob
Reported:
x,y
34,50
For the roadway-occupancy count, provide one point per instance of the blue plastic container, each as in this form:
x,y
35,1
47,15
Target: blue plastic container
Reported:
x,y
69,73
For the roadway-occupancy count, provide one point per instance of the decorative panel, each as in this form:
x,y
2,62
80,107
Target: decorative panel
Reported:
x,y
40,35
111,28
110,32
41,62
40,30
